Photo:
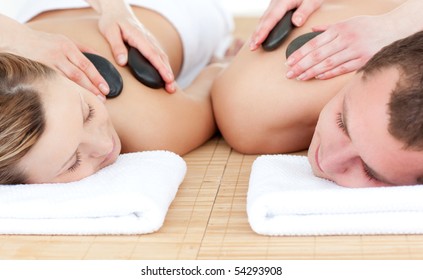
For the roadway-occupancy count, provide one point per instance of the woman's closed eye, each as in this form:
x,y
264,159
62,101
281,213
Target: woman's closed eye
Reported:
x,y
76,164
90,115
340,122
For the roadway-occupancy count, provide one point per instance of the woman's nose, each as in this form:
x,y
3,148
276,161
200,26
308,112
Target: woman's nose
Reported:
x,y
102,147
98,144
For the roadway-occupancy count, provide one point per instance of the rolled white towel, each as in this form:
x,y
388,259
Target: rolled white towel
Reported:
x,y
131,196
285,198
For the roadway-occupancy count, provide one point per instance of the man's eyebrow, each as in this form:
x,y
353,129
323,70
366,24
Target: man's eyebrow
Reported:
x,y
376,175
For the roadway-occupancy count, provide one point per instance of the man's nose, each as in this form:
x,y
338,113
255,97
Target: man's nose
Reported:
x,y
338,160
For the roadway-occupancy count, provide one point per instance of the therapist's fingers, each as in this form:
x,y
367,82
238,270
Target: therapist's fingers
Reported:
x,y
114,37
336,64
313,49
159,59
87,49
78,76
314,52
140,38
90,75
77,67
322,27
89,70
268,20
304,11
80,70
312,45
65,56
126,30
343,47
344,68
276,10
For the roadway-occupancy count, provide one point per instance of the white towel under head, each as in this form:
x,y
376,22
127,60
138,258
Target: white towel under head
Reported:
x,y
131,196
285,198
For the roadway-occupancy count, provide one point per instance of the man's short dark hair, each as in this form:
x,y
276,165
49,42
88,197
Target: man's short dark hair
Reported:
x,y
405,107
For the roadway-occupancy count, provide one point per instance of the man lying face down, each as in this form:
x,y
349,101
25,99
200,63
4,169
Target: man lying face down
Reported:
x,y
371,132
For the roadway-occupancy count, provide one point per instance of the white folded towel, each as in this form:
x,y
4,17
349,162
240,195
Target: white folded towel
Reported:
x,y
285,198
131,196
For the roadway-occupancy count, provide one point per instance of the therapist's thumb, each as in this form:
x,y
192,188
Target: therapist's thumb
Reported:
x,y
303,12
119,50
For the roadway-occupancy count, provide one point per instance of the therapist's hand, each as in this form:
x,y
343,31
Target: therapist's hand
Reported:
x,y
342,48
62,54
119,26
276,10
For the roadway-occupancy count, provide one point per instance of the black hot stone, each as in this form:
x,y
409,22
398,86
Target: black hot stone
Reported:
x,y
109,73
299,42
278,34
143,70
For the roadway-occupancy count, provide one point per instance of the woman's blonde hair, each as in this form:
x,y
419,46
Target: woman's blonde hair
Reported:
x,y
22,119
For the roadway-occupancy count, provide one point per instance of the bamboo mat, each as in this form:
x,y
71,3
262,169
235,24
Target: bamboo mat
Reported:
x,y
208,220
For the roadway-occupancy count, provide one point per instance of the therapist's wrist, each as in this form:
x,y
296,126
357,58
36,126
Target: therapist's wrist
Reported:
x,y
406,19
13,35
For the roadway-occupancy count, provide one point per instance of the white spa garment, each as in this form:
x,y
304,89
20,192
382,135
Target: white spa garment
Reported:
x,y
205,26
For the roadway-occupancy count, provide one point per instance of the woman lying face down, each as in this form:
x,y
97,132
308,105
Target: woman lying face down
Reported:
x,y
52,130
74,135
371,133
